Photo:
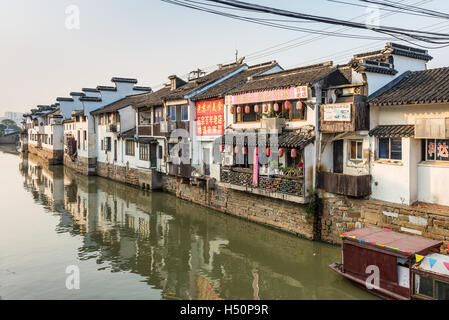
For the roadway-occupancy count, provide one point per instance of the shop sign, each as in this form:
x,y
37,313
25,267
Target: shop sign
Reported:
x,y
337,112
269,95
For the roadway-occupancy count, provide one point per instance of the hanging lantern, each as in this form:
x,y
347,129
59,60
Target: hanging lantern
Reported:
x,y
247,109
245,151
229,149
299,106
239,110
265,108
236,149
281,153
222,148
268,152
232,110
276,107
256,108
256,150
287,105
301,165
293,153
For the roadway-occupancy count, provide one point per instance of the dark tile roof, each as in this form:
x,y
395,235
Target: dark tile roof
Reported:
x,y
90,90
192,85
298,138
125,80
287,78
117,105
418,87
150,99
130,134
149,140
106,88
65,99
139,88
77,94
393,131
90,99
220,90
395,49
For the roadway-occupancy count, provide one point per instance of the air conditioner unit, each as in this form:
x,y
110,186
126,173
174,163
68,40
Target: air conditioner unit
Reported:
x,y
228,160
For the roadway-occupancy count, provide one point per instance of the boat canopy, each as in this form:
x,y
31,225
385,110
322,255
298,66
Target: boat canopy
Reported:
x,y
434,262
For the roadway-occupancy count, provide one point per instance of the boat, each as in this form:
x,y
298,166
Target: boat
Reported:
x,y
394,266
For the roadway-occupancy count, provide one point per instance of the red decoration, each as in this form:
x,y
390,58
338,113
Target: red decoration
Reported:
x,y
265,108
281,153
247,109
256,108
276,107
232,110
257,150
287,105
245,150
293,153
236,149
239,110
229,149
268,152
299,106
222,148
210,117
301,165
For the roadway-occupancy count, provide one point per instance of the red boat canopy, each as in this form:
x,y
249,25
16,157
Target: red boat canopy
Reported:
x,y
385,238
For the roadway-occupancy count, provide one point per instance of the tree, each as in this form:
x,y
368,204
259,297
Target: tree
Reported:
x,y
9,124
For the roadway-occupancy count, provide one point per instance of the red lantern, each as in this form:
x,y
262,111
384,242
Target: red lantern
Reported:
x,y
257,150
265,108
247,109
245,151
301,165
299,106
232,110
256,108
239,110
281,153
287,105
236,149
268,152
293,153
222,148
276,107
229,149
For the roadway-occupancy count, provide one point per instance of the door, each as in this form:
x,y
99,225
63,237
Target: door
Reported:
x,y
153,155
206,161
338,156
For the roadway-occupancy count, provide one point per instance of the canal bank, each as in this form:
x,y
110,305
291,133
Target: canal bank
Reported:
x,y
136,244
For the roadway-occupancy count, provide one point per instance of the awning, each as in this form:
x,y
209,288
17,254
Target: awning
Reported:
x,y
296,140
147,140
393,131
130,134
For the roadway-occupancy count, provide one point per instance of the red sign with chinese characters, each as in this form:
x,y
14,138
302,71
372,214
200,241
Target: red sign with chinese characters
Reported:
x,y
210,118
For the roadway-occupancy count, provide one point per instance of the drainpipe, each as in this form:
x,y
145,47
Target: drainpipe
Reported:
x,y
318,95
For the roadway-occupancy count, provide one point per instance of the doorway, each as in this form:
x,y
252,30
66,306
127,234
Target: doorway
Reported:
x,y
338,156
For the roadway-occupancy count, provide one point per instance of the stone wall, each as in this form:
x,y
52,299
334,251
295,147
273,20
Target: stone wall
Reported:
x,y
136,177
342,214
284,215
79,164
53,157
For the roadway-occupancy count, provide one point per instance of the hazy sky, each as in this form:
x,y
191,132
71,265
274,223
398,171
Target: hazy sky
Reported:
x,y
40,59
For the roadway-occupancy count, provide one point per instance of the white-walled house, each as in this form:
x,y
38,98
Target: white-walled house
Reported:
x,y
410,139
345,120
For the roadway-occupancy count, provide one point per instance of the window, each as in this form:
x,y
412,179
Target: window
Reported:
x,y
107,144
51,139
160,152
298,111
390,148
102,145
436,150
144,152
356,150
130,147
79,139
185,113
171,113
145,118
252,116
84,139
157,114
431,288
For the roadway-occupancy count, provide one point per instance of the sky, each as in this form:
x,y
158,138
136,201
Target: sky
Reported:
x,y
41,59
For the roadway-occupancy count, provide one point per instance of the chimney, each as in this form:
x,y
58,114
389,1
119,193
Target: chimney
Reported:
x,y
175,82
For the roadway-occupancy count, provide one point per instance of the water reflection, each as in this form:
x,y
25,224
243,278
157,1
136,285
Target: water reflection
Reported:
x,y
180,249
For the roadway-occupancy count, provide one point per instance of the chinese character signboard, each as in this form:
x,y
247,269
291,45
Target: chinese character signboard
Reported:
x,y
438,149
337,112
270,95
210,118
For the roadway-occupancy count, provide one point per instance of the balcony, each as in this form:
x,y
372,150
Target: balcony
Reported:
x,y
277,186
180,170
344,184
111,128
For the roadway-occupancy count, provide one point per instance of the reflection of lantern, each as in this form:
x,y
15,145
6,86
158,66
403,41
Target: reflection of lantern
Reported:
x,y
256,151
256,108
265,108
229,149
287,105
268,152
245,150
236,149
222,148
299,106
276,107
281,153
232,110
247,109
293,153
239,110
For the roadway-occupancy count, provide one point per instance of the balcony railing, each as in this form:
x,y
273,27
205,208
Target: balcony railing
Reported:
x,y
344,184
293,186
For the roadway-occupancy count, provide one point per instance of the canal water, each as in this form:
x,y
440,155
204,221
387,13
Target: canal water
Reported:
x,y
133,244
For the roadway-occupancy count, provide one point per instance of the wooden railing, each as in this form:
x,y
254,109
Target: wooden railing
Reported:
x,y
354,186
277,184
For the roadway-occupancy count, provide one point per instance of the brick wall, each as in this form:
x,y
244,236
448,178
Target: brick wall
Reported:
x,y
342,214
284,215
79,164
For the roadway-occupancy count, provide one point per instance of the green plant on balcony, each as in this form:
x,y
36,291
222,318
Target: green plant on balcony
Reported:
x,y
272,114
292,172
